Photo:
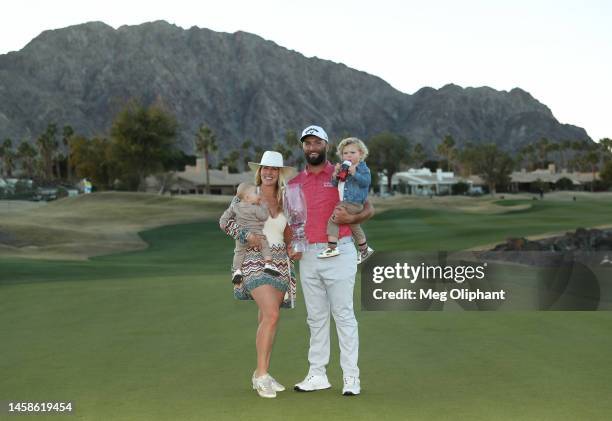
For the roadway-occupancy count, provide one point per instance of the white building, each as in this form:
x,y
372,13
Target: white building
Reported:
x,y
422,182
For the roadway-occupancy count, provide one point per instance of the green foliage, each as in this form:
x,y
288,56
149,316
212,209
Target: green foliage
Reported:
x,y
467,157
231,160
143,139
564,184
540,186
93,159
388,152
460,188
402,187
289,149
493,165
606,175
246,151
177,160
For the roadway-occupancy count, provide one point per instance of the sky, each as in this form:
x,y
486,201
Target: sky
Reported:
x,y
559,51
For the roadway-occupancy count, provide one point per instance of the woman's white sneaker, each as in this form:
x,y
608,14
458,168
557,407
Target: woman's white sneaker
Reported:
x,y
352,386
312,383
275,385
263,385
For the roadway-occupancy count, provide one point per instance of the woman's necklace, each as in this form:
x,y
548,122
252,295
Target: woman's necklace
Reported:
x,y
272,204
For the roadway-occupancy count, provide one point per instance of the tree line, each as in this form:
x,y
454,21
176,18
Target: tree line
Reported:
x,y
142,140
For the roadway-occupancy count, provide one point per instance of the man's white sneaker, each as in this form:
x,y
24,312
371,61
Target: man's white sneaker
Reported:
x,y
352,386
271,269
312,383
328,252
275,385
263,385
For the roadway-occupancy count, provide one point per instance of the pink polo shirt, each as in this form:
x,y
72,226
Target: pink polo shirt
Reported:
x,y
321,199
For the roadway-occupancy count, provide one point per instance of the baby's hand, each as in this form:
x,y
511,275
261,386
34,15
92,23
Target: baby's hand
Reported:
x,y
337,168
352,169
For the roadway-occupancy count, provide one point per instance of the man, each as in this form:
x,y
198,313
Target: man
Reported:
x,y
327,284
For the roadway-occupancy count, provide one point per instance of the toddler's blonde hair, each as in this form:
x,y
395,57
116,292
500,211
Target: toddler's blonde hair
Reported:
x,y
353,141
243,189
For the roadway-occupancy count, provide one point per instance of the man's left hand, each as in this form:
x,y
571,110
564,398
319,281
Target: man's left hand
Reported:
x,y
341,216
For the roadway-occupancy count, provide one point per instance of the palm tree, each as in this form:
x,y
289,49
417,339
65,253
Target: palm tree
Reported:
x,y
542,147
47,145
446,149
553,147
205,144
8,157
528,153
67,135
566,145
418,155
246,147
592,159
27,155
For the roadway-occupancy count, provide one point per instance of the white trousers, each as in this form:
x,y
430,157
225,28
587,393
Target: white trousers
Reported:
x,y
328,286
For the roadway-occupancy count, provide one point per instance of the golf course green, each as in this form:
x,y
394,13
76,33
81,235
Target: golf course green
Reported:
x,y
155,334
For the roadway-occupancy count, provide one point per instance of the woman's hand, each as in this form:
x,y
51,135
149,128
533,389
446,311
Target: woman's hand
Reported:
x,y
254,240
293,255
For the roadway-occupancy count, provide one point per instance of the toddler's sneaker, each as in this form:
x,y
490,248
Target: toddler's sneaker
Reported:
x,y
271,269
328,252
363,255
237,277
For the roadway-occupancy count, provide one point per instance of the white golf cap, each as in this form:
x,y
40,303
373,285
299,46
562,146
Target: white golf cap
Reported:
x,y
314,131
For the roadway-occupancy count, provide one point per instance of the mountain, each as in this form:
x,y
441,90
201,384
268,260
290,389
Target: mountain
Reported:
x,y
243,87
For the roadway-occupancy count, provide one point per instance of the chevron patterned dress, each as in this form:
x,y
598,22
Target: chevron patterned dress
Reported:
x,y
253,266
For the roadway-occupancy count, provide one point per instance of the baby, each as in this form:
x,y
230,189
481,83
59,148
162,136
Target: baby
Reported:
x,y
353,178
252,215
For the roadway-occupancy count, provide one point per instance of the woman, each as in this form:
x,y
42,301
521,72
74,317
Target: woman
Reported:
x,y
269,292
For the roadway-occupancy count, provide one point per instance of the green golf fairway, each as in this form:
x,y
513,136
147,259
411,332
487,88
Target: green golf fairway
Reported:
x,y
156,335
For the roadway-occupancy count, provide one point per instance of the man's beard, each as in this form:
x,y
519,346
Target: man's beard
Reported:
x,y
318,160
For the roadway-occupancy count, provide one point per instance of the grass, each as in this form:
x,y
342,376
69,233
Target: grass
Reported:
x,y
155,334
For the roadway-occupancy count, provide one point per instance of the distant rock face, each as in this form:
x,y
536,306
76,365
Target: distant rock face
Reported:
x,y
244,87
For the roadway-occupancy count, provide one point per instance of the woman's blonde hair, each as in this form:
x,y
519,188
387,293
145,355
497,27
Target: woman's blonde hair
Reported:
x,y
280,186
353,141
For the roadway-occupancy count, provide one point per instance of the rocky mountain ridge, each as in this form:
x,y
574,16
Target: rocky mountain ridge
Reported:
x,y
244,87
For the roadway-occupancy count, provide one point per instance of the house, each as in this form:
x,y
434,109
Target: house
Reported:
x,y
422,182
193,180
523,180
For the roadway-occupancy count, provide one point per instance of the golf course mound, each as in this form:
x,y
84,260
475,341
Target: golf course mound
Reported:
x,y
95,224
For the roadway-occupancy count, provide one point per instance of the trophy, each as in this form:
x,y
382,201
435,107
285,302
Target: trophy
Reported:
x,y
294,207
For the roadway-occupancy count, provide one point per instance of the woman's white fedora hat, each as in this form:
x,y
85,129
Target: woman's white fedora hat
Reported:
x,y
273,159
